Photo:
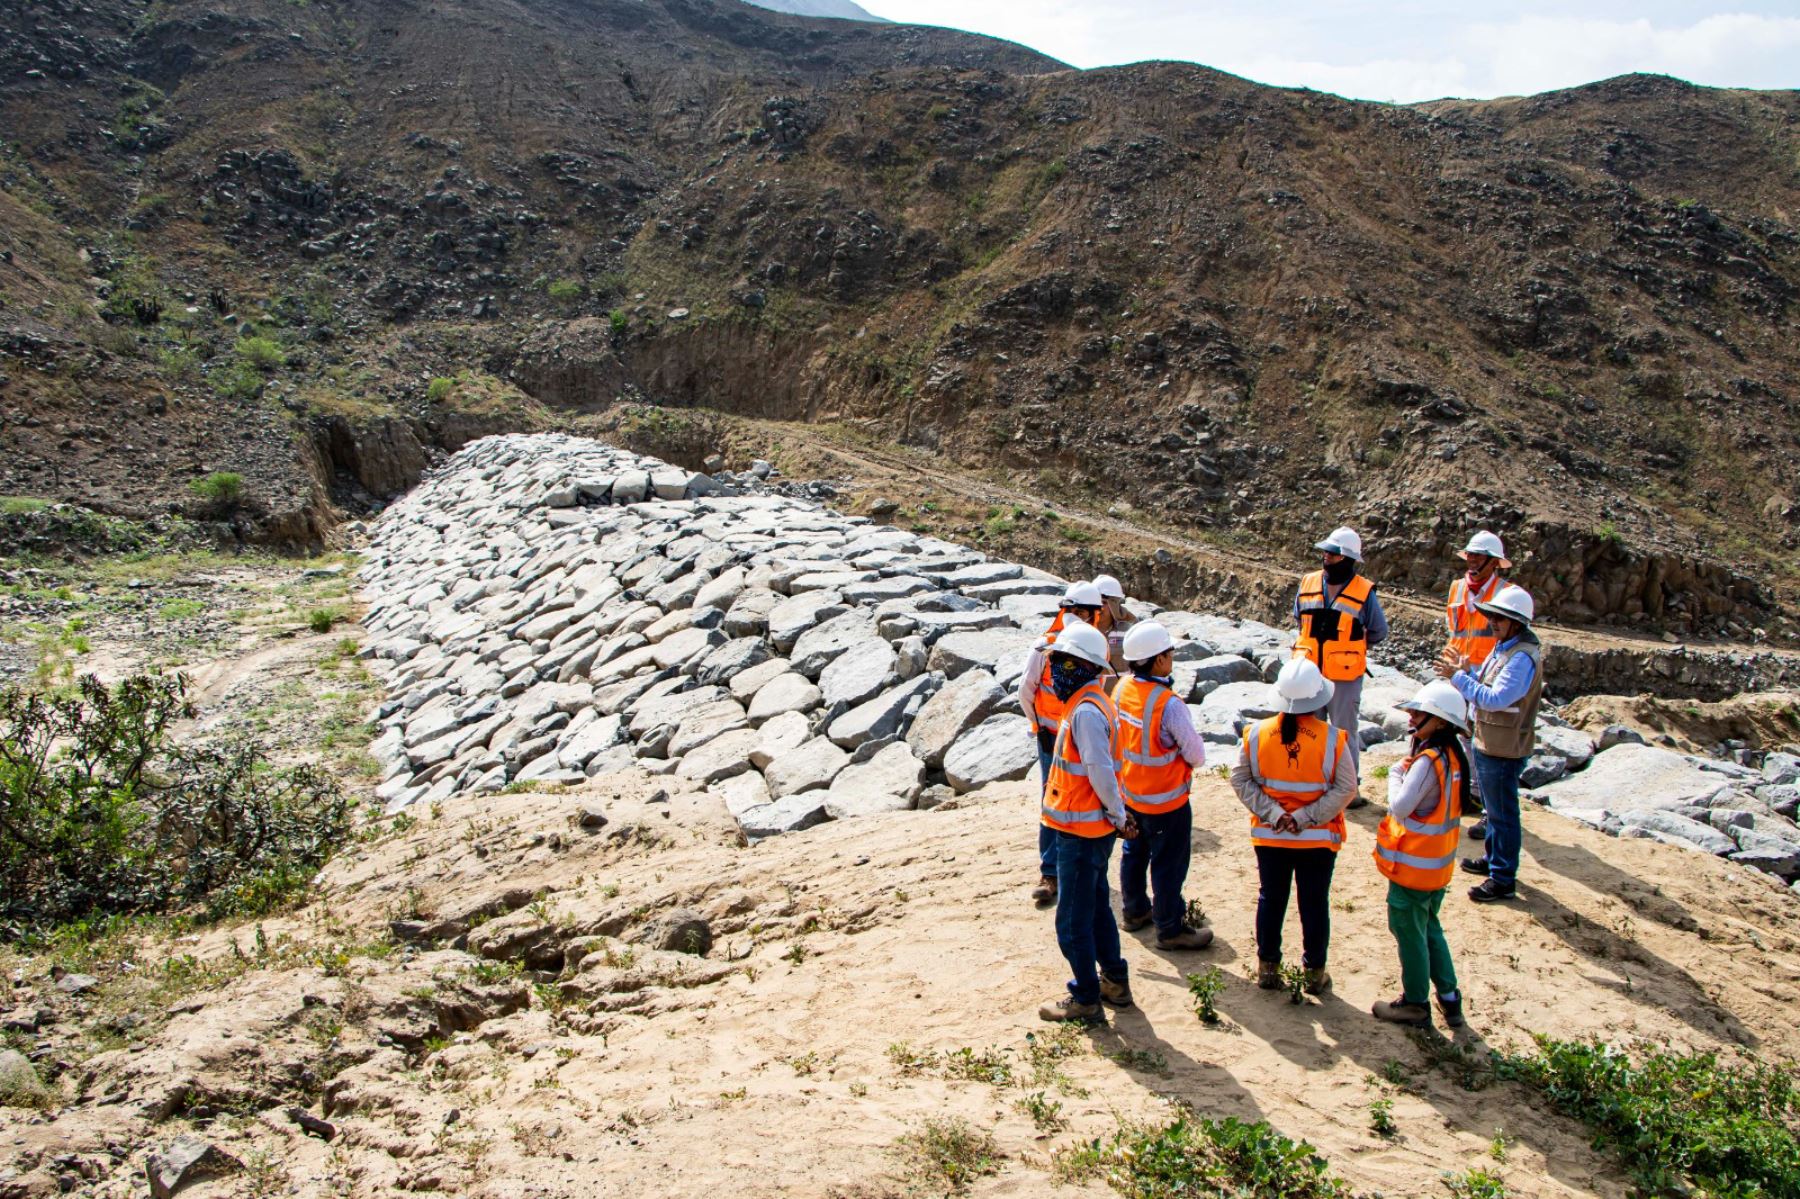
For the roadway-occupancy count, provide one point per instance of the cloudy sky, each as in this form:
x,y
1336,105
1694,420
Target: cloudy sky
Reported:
x,y
1405,49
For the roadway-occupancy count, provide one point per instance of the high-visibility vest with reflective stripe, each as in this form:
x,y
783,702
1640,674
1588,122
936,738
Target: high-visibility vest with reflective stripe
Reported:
x,y
1152,779
1046,708
1345,657
1469,631
1419,851
1294,776
1071,804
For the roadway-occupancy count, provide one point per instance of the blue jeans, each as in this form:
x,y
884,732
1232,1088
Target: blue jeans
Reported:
x,y
1161,852
1046,834
1500,796
1085,930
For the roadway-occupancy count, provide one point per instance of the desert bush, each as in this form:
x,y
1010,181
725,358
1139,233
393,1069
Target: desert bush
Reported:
x,y
222,487
261,353
1188,1157
565,291
103,813
1681,1124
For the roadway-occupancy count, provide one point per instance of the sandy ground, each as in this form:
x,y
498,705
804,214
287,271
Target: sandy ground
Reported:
x,y
764,1069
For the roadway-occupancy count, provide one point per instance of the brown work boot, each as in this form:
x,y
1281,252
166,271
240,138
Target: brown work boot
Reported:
x,y
1045,895
1132,923
1187,938
1115,992
1317,981
1268,975
1067,1010
1398,1011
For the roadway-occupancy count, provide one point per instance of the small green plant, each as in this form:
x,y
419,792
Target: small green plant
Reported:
x,y
222,487
1381,1118
565,291
1076,534
1194,915
1189,1157
1045,1113
439,389
261,353
989,1066
619,321
949,1152
322,620
1206,989
1381,772
1394,1070
796,953
1293,978
1501,1147
1608,533
180,609
21,505
1476,1183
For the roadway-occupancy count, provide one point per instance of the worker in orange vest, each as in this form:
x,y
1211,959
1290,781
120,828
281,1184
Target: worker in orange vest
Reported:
x,y
1037,698
1471,636
1082,809
1296,776
1340,618
1415,847
1161,750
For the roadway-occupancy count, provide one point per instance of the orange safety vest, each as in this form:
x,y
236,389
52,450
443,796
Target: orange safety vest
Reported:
x,y
1047,708
1419,852
1294,777
1345,657
1152,780
1469,631
1071,805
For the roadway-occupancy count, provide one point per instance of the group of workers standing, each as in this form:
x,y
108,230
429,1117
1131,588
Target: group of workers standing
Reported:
x,y
1118,749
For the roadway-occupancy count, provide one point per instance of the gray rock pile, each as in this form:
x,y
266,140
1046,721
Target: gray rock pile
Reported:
x,y
545,609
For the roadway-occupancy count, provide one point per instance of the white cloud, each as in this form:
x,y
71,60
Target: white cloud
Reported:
x,y
1399,51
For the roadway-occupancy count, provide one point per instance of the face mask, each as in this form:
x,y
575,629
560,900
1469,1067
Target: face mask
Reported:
x,y
1341,572
1067,676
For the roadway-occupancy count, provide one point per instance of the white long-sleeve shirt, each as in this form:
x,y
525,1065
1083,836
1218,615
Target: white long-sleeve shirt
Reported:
x,y
1178,731
1413,789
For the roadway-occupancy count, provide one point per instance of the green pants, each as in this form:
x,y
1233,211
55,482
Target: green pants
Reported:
x,y
1424,954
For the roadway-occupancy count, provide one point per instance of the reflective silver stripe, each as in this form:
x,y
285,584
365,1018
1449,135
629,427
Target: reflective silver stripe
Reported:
x,y
1067,767
1149,759
1431,830
1161,797
1414,860
1044,722
1062,817
1306,836
1470,635
1331,751
1129,719
1294,788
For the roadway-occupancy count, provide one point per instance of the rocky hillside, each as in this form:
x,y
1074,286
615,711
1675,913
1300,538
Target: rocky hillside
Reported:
x,y
313,244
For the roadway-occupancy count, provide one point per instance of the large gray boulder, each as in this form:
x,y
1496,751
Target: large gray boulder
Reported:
x,y
884,716
700,725
1209,674
1671,829
959,705
748,615
777,735
888,782
791,617
727,661
1765,851
808,766
1629,777
785,693
745,684
790,814
859,674
1781,769
1571,745
985,649
723,756
1001,748
824,643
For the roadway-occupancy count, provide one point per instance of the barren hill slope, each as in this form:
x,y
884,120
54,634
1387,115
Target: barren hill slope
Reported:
x,y
1252,312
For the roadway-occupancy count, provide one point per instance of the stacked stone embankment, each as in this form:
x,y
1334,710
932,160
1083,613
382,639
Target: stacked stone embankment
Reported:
x,y
545,609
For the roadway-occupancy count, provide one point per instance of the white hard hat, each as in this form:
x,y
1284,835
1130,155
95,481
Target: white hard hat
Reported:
x,y
1512,602
1082,595
1440,699
1343,541
1300,687
1488,545
1146,640
1082,641
1109,587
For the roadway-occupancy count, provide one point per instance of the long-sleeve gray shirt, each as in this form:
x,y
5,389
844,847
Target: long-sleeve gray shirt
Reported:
x,y
1093,740
1323,810
1179,733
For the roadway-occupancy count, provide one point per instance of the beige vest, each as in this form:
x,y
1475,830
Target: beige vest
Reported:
x,y
1510,732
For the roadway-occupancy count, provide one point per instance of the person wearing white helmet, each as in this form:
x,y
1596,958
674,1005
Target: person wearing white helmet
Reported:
x,y
1340,618
1114,621
1483,560
1160,749
1083,810
1083,603
1296,775
1415,847
1504,695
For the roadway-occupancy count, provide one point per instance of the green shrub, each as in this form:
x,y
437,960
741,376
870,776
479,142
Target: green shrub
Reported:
x,y
220,487
1201,1158
261,353
321,620
102,813
21,505
620,322
949,1153
566,291
1206,989
1680,1124
1476,1184
440,389
239,381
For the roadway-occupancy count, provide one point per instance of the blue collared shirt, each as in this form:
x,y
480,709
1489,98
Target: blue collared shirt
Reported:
x,y
1507,690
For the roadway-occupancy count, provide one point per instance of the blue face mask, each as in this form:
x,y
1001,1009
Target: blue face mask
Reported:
x,y
1069,675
